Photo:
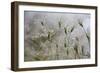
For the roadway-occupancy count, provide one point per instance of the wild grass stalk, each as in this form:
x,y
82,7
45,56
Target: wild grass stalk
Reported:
x,y
80,23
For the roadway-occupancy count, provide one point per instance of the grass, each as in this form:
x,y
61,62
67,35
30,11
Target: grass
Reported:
x,y
49,38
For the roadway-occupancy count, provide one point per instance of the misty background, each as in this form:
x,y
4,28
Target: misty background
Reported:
x,y
56,36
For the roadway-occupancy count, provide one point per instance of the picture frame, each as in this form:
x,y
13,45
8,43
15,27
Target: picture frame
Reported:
x,y
30,18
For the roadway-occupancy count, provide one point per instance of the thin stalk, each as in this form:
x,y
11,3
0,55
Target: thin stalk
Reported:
x,y
85,33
